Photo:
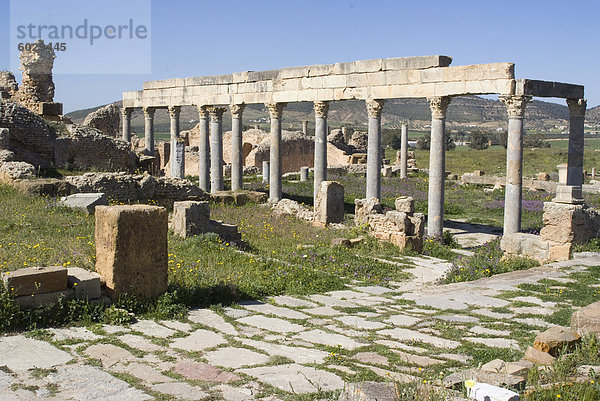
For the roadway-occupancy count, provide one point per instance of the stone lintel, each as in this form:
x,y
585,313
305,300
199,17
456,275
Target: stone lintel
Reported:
x,y
532,87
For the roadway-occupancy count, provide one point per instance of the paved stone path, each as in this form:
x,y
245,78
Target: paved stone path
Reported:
x,y
290,345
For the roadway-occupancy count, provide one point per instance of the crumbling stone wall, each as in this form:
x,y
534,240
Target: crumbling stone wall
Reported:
x,y
8,85
37,86
402,227
87,148
122,187
30,138
107,119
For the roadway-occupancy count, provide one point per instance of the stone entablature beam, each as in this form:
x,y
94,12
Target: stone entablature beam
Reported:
x,y
383,84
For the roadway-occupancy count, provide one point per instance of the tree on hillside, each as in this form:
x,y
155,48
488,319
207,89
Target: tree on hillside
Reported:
x,y
535,141
479,140
502,138
424,142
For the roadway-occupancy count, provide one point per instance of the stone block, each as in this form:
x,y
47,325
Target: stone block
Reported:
x,y
418,222
368,391
541,176
529,245
35,280
85,284
329,203
340,242
387,171
405,204
403,241
400,220
548,89
85,202
131,249
304,174
44,299
228,232
356,241
566,223
560,252
553,340
587,320
487,392
190,218
562,173
568,194
50,109
365,207
536,356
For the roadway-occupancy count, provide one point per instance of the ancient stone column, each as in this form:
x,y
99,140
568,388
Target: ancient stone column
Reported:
x,y
437,166
204,150
303,173
177,163
403,151
575,158
321,109
305,127
216,148
515,106
236,146
126,114
37,88
275,111
265,171
149,129
374,108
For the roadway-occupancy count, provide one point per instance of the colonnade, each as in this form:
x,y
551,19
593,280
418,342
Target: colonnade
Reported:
x,y
211,151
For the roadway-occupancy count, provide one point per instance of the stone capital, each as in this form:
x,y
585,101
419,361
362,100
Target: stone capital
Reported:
x,y
237,110
126,111
374,107
203,111
174,111
149,111
275,109
515,105
321,109
438,106
577,107
216,113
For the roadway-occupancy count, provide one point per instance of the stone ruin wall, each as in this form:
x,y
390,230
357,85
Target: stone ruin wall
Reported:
x,y
37,86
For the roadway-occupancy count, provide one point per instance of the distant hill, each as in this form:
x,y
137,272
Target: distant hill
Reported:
x,y
464,111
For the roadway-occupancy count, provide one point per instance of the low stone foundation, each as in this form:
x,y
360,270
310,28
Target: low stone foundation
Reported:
x,y
402,227
564,225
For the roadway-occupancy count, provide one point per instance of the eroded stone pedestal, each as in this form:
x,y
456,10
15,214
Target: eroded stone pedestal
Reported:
x,y
131,249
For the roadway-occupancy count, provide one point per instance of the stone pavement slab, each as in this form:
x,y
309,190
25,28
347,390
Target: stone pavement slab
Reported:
x,y
198,340
332,340
360,323
234,357
21,353
86,382
402,320
212,319
271,324
296,378
297,354
109,354
294,302
139,342
152,329
495,342
73,333
142,371
408,335
203,371
181,391
269,309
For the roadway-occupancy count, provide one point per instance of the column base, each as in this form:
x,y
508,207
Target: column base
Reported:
x,y
568,194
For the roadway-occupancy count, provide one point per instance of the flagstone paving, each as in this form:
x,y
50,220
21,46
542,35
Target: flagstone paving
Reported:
x,y
279,348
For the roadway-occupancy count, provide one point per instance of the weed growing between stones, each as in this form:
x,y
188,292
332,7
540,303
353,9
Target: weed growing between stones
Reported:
x,y
487,261
559,382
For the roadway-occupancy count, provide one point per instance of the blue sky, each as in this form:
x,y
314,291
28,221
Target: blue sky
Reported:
x,y
548,40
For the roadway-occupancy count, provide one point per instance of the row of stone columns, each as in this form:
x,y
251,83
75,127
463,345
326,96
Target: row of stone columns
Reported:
x,y
211,143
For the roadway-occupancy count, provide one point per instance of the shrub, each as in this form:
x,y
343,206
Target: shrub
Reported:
x,y
479,140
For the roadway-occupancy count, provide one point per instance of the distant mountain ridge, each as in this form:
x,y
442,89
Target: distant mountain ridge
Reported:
x,y
462,111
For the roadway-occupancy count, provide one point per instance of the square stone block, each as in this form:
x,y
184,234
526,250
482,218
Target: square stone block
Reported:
x,y
85,284
329,203
35,280
131,249
568,194
190,218
405,204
